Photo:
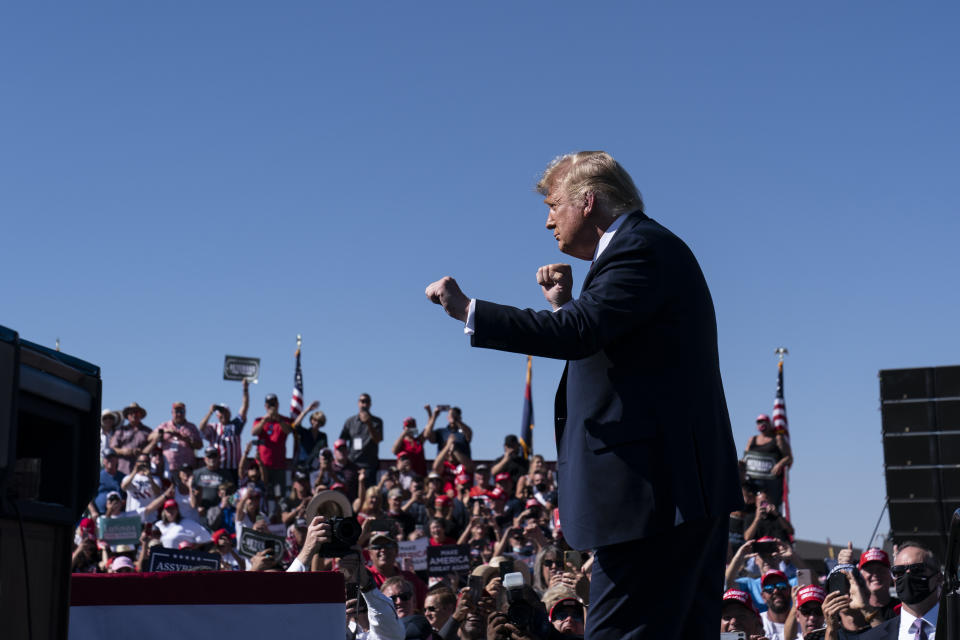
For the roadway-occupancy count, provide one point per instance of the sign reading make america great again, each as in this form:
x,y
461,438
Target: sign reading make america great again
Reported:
x,y
449,558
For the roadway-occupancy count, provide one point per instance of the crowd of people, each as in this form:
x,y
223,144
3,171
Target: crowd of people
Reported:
x,y
505,512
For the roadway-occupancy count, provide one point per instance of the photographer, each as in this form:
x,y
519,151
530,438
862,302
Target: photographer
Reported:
x,y
410,446
737,613
767,522
766,554
807,614
309,442
142,488
376,618
176,438
846,609
456,429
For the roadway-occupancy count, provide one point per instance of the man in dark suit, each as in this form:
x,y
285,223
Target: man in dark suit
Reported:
x,y
919,580
646,458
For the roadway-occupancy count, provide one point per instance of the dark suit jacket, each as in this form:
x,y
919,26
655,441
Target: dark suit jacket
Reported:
x,y
642,428
888,630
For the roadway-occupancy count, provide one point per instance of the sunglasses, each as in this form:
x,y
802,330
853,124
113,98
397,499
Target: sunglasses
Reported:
x,y
900,569
550,564
780,586
378,547
567,612
402,597
811,610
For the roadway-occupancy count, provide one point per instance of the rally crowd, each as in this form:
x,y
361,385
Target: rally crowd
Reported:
x,y
504,512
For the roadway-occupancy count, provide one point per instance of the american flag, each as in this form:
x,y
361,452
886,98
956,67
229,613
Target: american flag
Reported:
x,y
780,405
296,399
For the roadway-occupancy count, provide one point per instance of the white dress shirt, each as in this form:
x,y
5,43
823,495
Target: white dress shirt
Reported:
x,y
907,619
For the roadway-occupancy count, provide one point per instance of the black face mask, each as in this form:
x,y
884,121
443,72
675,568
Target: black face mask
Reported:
x,y
913,588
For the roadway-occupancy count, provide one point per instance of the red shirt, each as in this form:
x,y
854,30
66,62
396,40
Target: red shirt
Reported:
x,y
414,450
273,443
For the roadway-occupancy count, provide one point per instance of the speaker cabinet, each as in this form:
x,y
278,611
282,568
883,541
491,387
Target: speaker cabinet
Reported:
x,y
920,417
49,471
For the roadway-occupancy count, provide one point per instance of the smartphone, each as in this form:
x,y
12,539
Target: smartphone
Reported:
x,y
838,582
573,559
505,567
476,588
443,407
733,635
804,577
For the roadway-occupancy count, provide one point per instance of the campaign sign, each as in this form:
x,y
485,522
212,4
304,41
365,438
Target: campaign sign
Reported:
x,y
117,531
238,368
182,560
414,552
250,543
448,558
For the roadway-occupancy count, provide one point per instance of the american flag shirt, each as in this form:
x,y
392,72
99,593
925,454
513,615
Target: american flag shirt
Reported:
x,y
226,438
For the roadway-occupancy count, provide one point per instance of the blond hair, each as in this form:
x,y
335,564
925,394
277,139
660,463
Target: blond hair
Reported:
x,y
596,172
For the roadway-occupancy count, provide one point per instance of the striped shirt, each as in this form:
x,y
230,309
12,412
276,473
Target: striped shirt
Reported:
x,y
226,438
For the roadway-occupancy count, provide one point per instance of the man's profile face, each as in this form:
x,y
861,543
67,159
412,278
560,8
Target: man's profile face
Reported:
x,y
402,599
566,220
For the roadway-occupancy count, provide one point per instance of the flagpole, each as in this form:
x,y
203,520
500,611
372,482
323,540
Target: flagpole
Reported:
x,y
781,352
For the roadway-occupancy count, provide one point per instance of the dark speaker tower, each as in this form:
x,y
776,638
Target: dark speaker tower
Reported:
x,y
49,436
920,414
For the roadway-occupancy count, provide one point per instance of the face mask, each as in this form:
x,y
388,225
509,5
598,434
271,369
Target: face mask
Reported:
x,y
913,588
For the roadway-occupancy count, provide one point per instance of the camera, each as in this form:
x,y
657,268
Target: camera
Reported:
x,y
765,546
519,612
346,532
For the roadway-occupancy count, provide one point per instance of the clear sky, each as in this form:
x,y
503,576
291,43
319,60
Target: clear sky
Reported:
x,y
182,181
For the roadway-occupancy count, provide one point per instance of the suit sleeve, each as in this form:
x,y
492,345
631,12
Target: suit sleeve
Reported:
x,y
625,293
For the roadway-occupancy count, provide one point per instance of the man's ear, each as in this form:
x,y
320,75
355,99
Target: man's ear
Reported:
x,y
588,204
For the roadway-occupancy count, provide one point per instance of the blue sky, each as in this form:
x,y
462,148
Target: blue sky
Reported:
x,y
179,182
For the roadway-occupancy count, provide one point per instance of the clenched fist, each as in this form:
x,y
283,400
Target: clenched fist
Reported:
x,y
556,281
446,292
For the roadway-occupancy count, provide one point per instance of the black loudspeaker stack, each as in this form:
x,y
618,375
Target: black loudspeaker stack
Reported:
x,y
49,471
920,411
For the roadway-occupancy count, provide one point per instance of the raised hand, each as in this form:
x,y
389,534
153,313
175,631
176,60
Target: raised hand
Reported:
x,y
446,292
556,282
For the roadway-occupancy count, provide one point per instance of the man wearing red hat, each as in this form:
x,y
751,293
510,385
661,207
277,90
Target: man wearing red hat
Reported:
x,y
875,567
776,595
737,613
807,615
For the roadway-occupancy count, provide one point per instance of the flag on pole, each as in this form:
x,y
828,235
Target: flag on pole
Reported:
x,y
526,428
780,405
780,427
296,400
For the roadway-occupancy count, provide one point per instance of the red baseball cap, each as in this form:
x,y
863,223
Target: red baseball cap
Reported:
x,y
735,595
463,478
769,576
403,454
810,593
339,443
763,418
503,476
443,500
497,493
874,555
219,533
532,502
409,422
169,503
